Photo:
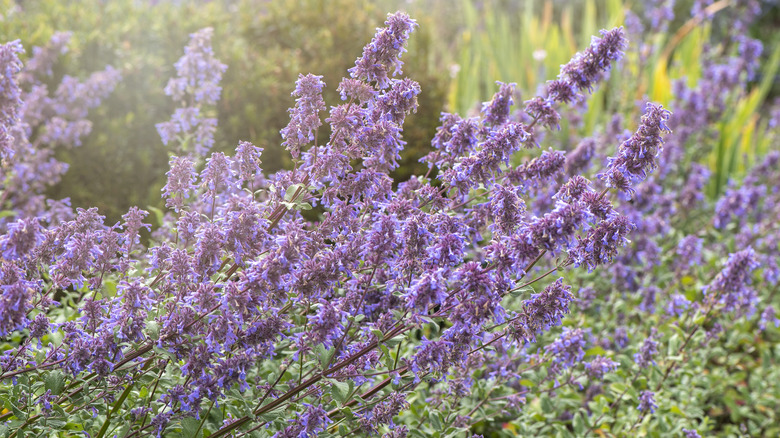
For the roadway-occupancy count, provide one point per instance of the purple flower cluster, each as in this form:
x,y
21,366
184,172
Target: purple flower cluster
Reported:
x,y
195,87
10,94
34,122
637,155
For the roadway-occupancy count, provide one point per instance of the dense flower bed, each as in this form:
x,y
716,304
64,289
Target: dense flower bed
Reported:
x,y
328,299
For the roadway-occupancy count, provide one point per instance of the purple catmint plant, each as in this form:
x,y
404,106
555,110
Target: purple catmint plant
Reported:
x,y
441,285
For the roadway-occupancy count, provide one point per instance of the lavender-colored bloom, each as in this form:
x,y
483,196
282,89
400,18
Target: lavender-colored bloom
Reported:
x,y
208,250
395,103
543,310
198,71
304,117
731,284
649,295
586,297
356,89
507,209
455,138
450,242
133,224
160,422
646,352
691,433
660,13
43,58
382,144
480,299
196,83
73,98
737,203
245,232
636,156
588,66
602,242
543,112
217,175
496,111
415,238
647,401
578,159
600,366
15,300
384,412
247,162
21,238
327,324
546,166
40,326
692,193
307,425
573,189
689,250
568,349
10,93
768,317
750,53
599,206
429,289
677,305
181,181
381,56
620,338
555,230
433,356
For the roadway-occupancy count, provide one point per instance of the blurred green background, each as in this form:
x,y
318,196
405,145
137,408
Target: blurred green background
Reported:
x,y
460,49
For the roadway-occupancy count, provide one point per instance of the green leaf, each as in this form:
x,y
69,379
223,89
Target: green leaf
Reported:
x,y
578,424
394,341
189,427
435,419
55,381
595,351
291,191
547,405
674,344
15,409
323,354
7,213
341,390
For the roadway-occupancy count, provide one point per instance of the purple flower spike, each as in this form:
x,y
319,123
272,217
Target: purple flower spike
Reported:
x,y
10,93
588,66
602,242
600,366
647,402
304,117
543,310
731,284
647,351
636,156
381,56
496,111
181,181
